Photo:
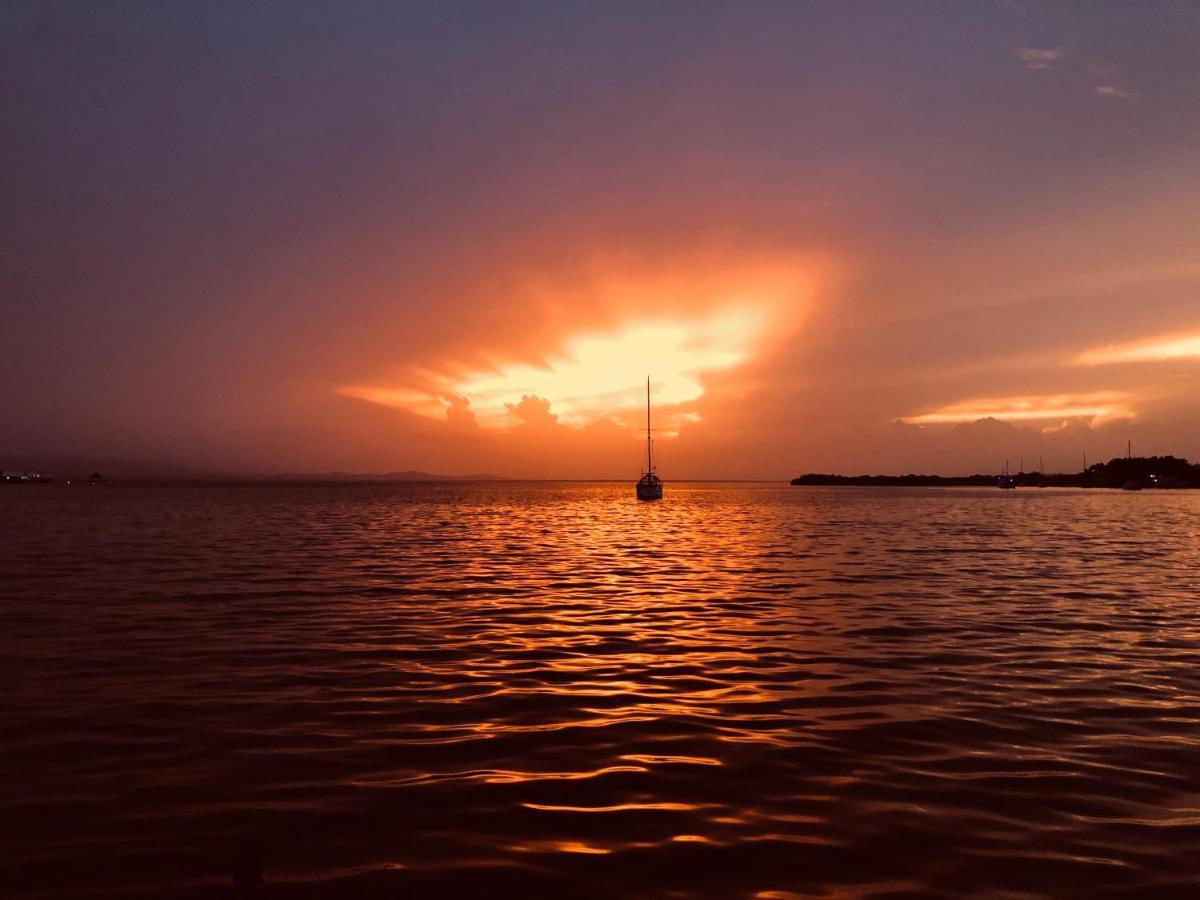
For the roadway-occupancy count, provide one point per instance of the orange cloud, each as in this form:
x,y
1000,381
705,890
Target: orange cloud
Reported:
x,y
679,326
402,398
1097,407
1176,346
594,375
533,411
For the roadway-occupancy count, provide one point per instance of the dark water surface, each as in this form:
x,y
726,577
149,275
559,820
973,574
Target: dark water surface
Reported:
x,y
553,690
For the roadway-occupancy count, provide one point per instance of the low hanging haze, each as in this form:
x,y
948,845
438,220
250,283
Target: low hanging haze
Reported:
x,y
457,237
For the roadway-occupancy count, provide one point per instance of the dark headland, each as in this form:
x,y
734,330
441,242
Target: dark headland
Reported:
x,y
1142,471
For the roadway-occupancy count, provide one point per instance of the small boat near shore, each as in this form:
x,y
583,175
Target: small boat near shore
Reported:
x,y
1005,481
649,486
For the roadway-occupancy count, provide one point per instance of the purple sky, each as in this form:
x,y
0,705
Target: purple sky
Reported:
x,y
456,237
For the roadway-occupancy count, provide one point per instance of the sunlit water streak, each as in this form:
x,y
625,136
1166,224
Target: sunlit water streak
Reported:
x,y
459,690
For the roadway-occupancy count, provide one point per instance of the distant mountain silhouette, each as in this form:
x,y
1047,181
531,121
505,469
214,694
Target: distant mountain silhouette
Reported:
x,y
67,468
410,475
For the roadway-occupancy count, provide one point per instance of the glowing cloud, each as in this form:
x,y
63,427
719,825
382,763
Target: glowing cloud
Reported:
x,y
1097,406
1156,349
1036,59
596,375
404,398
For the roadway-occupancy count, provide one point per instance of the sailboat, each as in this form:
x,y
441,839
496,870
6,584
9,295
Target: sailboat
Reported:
x,y
649,486
1132,484
1006,482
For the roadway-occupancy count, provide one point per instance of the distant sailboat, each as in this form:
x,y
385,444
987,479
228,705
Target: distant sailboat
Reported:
x,y
1006,482
650,486
1131,485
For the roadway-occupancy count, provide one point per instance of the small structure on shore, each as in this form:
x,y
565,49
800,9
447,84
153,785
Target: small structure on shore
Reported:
x,y
18,475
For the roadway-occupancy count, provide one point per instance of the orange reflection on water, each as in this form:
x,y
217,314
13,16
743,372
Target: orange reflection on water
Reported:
x,y
763,677
619,807
513,777
683,760
560,847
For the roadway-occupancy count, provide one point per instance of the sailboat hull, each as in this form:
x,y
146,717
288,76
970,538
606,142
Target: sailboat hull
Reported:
x,y
650,488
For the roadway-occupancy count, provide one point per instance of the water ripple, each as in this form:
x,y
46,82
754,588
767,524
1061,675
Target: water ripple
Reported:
x,y
543,690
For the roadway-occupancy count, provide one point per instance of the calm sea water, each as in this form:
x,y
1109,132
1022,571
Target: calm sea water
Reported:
x,y
553,690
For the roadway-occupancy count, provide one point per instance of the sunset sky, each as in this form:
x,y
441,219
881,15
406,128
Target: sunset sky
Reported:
x,y
847,237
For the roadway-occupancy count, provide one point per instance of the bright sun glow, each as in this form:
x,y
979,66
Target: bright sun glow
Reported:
x,y
598,375
1163,348
1097,406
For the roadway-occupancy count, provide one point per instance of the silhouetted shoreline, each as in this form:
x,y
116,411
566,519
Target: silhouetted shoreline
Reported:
x,y
19,468
1140,471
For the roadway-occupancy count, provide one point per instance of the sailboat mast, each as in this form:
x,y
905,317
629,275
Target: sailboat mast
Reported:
x,y
649,467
